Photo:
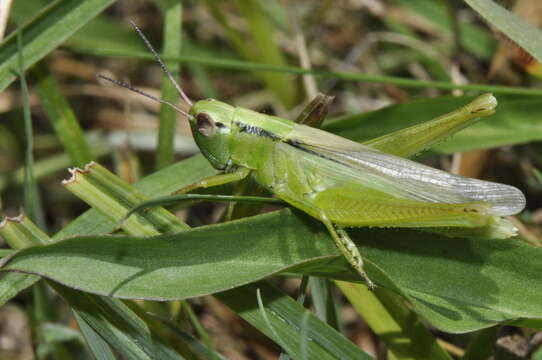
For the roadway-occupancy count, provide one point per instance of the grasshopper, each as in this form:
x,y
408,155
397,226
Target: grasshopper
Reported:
x,y
337,181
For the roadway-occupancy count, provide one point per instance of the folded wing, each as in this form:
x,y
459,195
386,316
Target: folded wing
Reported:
x,y
399,177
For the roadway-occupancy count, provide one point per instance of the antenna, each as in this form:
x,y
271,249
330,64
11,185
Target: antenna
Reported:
x,y
141,92
162,64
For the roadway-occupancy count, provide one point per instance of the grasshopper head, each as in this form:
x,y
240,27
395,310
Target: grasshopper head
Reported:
x,y
211,122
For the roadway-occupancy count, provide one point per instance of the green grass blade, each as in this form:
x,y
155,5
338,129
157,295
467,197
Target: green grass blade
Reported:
x,y
61,116
481,346
32,204
119,325
524,34
264,48
45,32
99,348
324,304
114,197
396,325
172,10
101,32
251,249
472,36
324,341
6,252
200,330
13,283
52,164
19,233
161,183
343,75
278,338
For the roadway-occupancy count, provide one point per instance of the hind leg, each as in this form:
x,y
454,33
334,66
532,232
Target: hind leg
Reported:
x,y
347,248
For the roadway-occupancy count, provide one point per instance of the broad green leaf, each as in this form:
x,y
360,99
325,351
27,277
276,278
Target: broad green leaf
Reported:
x,y
524,34
516,120
45,32
456,284
115,322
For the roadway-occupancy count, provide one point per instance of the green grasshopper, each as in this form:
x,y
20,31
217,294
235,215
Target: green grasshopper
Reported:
x,y
337,181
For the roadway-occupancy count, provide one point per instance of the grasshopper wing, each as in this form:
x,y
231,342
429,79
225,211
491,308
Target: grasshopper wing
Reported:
x,y
346,162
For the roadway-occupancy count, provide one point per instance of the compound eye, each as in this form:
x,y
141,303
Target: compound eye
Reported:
x,y
206,125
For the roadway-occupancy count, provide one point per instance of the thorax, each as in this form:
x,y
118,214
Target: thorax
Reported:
x,y
254,135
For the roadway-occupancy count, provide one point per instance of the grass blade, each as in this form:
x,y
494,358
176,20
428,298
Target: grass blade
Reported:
x,y
323,301
524,34
52,164
264,49
45,32
114,198
396,325
172,47
31,194
13,283
343,75
287,317
481,346
99,348
61,116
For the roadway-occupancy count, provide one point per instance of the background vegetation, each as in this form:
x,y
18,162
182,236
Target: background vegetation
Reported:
x,y
389,64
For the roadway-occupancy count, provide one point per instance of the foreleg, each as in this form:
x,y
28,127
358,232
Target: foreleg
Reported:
x,y
216,180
